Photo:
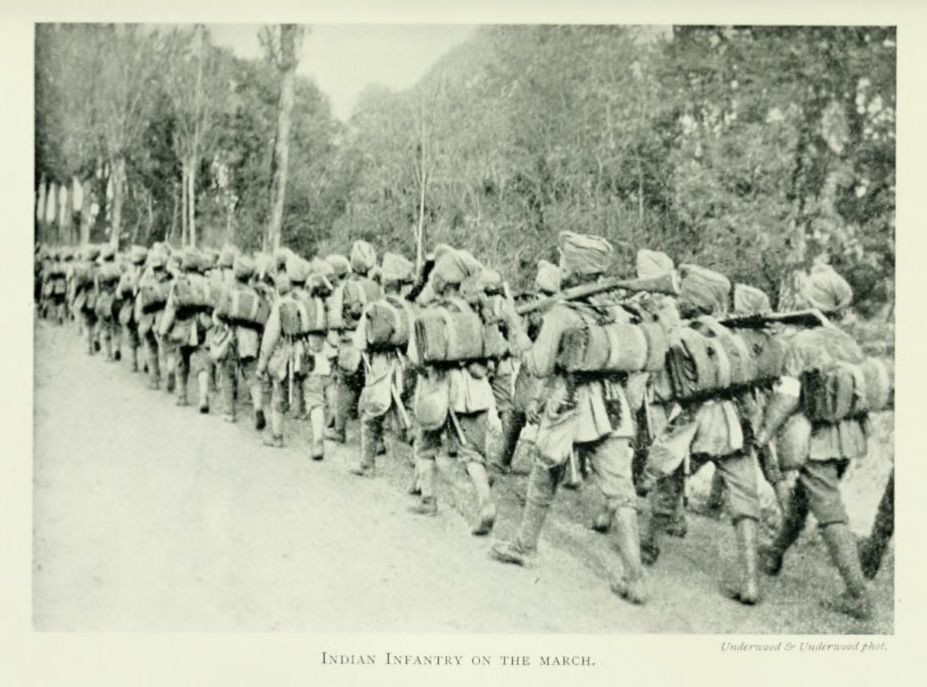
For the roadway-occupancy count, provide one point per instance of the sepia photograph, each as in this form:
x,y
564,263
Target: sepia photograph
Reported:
x,y
334,325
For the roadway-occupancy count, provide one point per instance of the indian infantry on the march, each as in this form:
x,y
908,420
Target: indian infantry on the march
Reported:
x,y
383,336
817,417
639,382
451,348
584,415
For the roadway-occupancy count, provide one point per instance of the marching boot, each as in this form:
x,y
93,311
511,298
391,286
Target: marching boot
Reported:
x,y
428,505
872,548
793,522
298,407
339,416
487,517
317,423
133,358
522,549
677,526
855,601
154,370
180,373
512,424
748,593
602,522
650,542
275,440
369,440
257,402
202,383
630,586
171,381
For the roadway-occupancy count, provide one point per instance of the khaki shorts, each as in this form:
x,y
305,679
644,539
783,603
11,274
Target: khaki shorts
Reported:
x,y
819,485
472,450
610,460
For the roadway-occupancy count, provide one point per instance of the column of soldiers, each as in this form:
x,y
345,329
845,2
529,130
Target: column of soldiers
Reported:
x,y
626,430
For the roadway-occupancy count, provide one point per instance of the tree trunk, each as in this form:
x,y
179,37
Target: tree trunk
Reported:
x,y
119,175
85,218
191,200
287,67
183,203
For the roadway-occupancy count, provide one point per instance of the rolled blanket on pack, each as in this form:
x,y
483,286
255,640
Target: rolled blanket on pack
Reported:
x,y
243,307
300,316
834,394
109,273
196,293
766,350
154,296
82,275
389,322
703,291
692,364
357,294
443,335
879,376
617,347
846,390
707,358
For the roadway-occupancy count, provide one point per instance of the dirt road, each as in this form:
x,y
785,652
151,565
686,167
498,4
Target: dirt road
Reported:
x,y
150,517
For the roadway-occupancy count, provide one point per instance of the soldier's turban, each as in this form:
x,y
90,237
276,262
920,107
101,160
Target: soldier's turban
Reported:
x,y
396,268
363,257
243,267
584,253
191,260
297,269
489,281
548,277
157,259
652,263
339,264
228,255
264,264
453,267
703,291
826,290
137,254
749,300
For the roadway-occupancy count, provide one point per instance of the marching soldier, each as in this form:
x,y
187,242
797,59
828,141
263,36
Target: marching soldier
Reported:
x,y
126,291
454,399
347,303
149,309
284,355
185,328
83,294
235,348
831,446
384,368
588,415
527,388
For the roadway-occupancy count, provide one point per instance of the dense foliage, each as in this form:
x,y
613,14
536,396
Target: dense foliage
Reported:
x,y
750,150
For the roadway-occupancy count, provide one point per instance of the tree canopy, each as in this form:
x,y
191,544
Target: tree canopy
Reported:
x,y
751,150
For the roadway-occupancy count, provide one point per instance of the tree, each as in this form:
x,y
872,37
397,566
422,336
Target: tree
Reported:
x,y
282,45
197,88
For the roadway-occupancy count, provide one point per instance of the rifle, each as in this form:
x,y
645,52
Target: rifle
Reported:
x,y
667,283
802,318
